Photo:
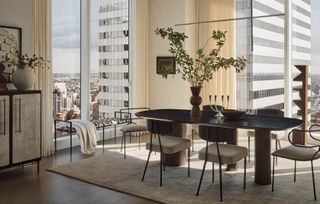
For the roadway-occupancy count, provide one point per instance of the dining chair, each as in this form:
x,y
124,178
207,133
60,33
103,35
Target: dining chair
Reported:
x,y
195,127
299,152
275,135
216,152
131,126
164,144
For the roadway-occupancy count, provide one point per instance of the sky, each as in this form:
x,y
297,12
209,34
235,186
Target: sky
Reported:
x,y
66,35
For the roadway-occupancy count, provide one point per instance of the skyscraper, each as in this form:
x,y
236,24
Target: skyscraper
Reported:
x,y
113,56
261,85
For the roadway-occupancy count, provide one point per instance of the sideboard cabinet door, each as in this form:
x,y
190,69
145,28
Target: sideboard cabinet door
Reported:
x,y
4,130
26,127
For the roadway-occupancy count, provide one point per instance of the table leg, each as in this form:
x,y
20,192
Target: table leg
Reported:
x,y
233,140
262,157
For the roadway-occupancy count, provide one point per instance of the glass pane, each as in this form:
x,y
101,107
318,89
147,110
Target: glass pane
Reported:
x,y
261,84
66,58
109,70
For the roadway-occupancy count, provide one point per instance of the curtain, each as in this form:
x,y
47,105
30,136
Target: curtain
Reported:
x,y
140,48
41,46
223,82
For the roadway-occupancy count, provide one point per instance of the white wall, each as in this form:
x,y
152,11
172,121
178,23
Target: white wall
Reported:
x,y
18,13
170,92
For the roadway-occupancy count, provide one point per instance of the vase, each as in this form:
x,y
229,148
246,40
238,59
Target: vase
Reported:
x,y
195,101
23,79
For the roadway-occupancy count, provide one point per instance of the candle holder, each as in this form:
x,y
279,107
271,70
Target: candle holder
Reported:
x,y
215,107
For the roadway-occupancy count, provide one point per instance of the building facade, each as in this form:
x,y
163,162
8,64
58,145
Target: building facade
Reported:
x,y
113,57
261,85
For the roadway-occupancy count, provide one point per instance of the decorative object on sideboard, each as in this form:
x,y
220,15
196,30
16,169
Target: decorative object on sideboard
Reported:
x,y
23,77
166,66
199,69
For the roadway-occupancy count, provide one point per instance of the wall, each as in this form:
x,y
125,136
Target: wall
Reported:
x,y
172,92
18,13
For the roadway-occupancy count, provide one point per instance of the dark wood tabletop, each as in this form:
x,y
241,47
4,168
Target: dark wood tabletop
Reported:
x,y
246,121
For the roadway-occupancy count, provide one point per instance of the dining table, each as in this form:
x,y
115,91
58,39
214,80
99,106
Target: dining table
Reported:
x,y
263,125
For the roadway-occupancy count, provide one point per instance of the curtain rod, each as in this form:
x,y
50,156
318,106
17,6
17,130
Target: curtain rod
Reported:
x,y
229,19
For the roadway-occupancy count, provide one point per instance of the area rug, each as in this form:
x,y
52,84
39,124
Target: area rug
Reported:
x,y
111,171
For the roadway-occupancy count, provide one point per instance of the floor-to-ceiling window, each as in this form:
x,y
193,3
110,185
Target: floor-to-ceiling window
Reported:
x,y
109,52
108,57
66,58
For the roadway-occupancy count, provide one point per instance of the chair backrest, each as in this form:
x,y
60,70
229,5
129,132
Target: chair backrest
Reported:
x,y
271,112
216,134
159,127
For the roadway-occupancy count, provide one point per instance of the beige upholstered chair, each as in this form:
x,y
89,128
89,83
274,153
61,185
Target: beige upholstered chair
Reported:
x,y
219,153
275,135
131,127
165,144
297,152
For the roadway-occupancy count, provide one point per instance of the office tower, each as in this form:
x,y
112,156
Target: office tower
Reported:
x,y
113,57
261,85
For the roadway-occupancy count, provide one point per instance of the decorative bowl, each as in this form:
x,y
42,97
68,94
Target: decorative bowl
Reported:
x,y
232,114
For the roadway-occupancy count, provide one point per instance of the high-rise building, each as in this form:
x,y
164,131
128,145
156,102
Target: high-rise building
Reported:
x,y
262,41
113,57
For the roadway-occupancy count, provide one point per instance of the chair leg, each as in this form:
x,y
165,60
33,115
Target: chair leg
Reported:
x,y
245,173
277,149
145,168
313,182
130,137
203,169
272,188
121,142
249,149
161,162
192,139
212,172
188,162
295,171
220,174
139,135
124,146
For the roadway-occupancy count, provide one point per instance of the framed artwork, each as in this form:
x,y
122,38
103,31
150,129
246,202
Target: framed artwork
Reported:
x,y
166,65
10,46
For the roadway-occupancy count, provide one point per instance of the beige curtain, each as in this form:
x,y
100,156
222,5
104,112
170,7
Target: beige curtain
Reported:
x,y
140,54
223,82
41,46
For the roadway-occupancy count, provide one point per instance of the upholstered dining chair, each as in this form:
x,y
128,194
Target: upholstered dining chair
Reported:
x,y
131,126
164,144
275,135
219,153
298,152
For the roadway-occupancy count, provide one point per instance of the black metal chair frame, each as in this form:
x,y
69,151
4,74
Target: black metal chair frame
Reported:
x,y
220,162
127,120
290,138
155,129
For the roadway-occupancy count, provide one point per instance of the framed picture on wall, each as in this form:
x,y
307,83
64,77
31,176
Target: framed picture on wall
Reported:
x,y
10,46
166,64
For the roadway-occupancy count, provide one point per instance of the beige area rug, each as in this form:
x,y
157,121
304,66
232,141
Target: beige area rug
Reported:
x,y
111,171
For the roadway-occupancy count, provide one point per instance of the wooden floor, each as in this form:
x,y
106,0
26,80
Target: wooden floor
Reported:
x,y
25,186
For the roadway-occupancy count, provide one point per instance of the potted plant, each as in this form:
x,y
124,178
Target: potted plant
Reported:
x,y
23,76
199,69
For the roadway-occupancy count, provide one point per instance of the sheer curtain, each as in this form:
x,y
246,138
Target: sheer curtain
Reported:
x,y
140,9
41,46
